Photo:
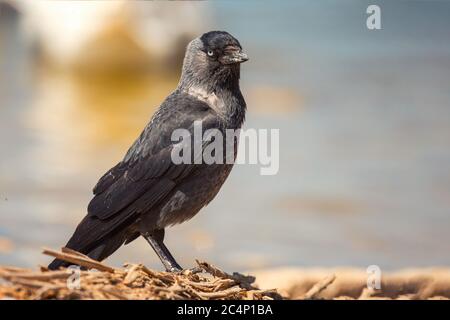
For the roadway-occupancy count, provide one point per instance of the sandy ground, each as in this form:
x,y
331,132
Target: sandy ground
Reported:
x,y
351,283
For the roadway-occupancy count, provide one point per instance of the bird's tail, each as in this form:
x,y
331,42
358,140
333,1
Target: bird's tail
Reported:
x,y
56,264
97,250
99,253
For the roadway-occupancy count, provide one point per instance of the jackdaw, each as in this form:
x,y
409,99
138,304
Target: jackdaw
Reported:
x,y
147,191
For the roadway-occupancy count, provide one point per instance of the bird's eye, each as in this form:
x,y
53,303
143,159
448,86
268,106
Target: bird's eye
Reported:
x,y
210,53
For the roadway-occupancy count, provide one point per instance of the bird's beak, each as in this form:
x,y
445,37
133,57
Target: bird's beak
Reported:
x,y
233,55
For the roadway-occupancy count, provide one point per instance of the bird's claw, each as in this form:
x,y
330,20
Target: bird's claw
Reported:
x,y
185,272
174,269
194,270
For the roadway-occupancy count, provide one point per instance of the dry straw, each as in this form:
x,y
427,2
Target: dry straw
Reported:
x,y
134,281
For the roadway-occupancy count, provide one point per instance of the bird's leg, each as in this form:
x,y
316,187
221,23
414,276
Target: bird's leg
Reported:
x,y
155,239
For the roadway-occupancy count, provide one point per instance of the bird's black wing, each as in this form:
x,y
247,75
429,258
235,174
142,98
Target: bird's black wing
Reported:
x,y
147,173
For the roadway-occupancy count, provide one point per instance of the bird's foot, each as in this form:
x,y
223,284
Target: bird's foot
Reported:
x,y
174,269
190,271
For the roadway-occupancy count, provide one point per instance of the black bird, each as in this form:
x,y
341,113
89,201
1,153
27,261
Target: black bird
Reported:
x,y
147,191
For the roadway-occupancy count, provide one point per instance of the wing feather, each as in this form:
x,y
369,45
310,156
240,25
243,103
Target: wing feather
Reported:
x,y
145,166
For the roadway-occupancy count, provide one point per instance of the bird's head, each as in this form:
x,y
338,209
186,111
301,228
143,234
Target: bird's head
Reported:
x,y
213,59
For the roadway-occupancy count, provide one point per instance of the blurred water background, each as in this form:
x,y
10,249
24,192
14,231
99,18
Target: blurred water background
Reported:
x,y
364,119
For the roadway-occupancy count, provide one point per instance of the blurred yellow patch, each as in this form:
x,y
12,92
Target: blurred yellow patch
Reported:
x,y
201,240
6,245
318,205
273,100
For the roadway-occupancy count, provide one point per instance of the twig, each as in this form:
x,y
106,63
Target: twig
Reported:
x,y
244,281
319,287
79,260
